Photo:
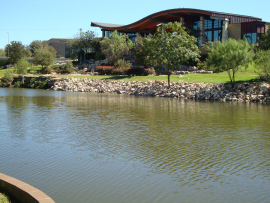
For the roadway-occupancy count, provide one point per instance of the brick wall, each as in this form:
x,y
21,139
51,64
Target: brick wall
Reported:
x,y
234,31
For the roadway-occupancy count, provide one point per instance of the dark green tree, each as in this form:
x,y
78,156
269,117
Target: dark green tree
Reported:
x,y
15,51
37,44
116,47
264,41
43,57
262,62
170,47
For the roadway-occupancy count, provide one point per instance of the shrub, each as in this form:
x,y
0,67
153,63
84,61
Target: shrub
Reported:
x,y
99,56
17,84
38,83
149,71
8,77
45,70
66,68
123,63
120,71
262,62
102,70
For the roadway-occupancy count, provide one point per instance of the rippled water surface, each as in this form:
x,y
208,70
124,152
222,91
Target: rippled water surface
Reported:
x,y
87,147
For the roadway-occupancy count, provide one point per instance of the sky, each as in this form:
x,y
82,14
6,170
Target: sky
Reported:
x,y
28,20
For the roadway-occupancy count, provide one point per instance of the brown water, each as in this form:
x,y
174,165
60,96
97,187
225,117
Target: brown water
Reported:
x,y
87,147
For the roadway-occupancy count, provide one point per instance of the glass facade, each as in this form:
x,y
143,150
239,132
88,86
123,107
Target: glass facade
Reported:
x,y
213,30
252,31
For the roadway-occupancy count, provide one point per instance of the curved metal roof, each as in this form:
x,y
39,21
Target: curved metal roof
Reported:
x,y
149,23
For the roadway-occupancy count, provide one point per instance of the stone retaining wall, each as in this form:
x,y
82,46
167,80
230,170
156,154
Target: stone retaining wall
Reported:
x,y
255,92
21,191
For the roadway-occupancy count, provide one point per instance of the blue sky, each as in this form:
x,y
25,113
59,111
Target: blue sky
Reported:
x,y
28,20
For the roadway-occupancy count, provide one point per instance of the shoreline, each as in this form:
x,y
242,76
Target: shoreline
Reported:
x,y
248,92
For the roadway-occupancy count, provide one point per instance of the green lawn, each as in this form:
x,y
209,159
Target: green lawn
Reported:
x,y
251,74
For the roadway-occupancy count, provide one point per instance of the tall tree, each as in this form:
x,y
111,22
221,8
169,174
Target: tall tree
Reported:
x,y
15,51
36,44
43,57
170,47
229,56
21,67
82,42
116,47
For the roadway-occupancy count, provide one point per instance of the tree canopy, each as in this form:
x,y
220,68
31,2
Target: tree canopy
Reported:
x,y
262,62
15,51
37,44
116,47
43,56
170,47
264,41
82,42
229,56
21,67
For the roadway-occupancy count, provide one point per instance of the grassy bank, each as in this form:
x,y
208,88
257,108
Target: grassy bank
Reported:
x,y
4,198
249,75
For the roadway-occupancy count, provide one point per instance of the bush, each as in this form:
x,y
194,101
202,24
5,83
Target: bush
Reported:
x,y
17,84
123,63
262,62
46,70
135,71
8,77
66,68
38,83
120,71
149,71
102,70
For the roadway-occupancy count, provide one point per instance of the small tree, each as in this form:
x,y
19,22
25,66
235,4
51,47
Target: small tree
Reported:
x,y
116,47
264,41
262,62
2,52
37,44
15,51
21,68
229,56
43,57
139,51
170,47
8,77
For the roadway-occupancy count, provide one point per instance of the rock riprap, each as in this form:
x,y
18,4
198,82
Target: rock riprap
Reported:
x,y
255,92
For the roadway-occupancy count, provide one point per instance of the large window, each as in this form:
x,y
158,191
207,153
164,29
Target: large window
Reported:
x,y
252,31
213,30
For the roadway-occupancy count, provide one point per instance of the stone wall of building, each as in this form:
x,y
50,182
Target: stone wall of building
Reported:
x,y
234,31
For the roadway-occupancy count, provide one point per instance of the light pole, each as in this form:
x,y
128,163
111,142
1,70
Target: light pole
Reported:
x,y
8,46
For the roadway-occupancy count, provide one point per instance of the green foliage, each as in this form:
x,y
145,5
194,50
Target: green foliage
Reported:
x,y
228,56
2,52
21,66
100,56
38,83
38,44
116,47
149,71
15,51
95,42
82,41
140,52
8,77
170,47
262,62
67,68
17,84
264,41
123,63
46,70
43,56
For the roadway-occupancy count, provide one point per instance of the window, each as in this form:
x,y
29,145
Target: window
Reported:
x,y
252,31
213,30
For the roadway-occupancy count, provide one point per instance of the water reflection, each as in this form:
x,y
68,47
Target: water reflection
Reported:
x,y
198,145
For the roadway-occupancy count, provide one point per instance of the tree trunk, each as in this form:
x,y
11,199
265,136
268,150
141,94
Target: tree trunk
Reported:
x,y
169,85
23,79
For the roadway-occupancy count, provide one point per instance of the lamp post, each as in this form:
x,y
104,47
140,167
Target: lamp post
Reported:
x,y
8,46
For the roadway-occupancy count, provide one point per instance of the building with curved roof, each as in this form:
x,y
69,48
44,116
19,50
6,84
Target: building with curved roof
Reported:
x,y
203,24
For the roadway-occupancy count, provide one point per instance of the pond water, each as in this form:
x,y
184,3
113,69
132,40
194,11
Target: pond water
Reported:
x,y
87,147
